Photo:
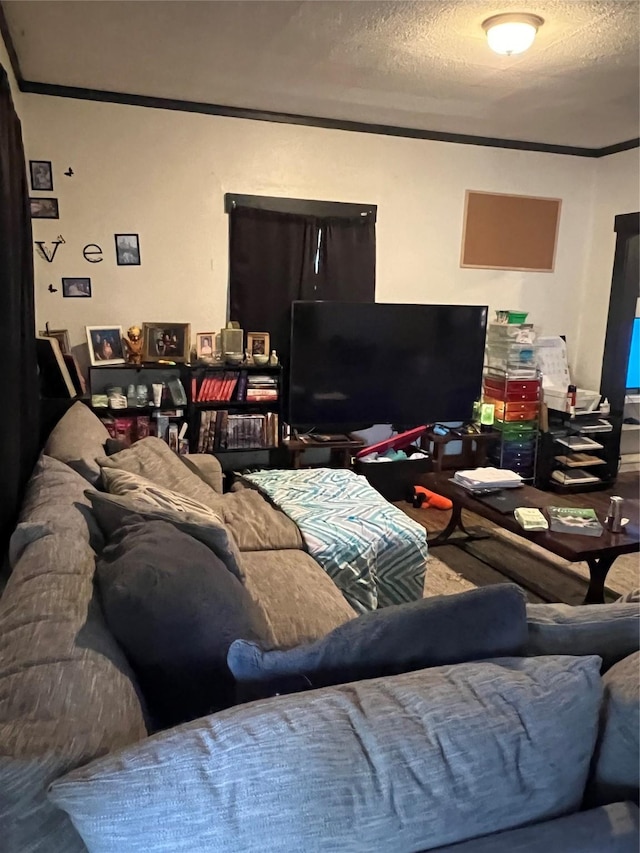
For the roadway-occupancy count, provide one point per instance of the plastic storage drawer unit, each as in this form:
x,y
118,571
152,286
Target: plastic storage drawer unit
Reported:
x,y
512,392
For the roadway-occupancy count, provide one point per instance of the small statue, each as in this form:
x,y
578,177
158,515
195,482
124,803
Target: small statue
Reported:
x,y
273,358
133,342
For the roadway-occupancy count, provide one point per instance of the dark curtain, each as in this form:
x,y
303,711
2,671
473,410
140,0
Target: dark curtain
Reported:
x,y
347,269
19,433
270,258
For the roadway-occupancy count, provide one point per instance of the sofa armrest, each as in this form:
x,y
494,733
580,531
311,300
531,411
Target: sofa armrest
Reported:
x,y
207,467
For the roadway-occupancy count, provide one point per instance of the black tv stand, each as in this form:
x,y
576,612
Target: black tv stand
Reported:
x,y
342,448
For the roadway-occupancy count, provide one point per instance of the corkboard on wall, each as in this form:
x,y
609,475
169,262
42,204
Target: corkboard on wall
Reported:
x,y
509,232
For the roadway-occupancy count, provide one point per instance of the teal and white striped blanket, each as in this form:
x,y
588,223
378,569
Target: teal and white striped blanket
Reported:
x,y
373,552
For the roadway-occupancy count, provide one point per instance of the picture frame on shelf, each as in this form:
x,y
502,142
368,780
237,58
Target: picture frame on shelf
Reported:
x,y
44,208
105,345
206,345
41,175
61,335
76,287
258,343
166,342
127,250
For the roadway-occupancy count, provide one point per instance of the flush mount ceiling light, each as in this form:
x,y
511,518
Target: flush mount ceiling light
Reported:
x,y
511,33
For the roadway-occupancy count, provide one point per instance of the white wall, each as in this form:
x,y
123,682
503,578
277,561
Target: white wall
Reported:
x,y
163,175
617,190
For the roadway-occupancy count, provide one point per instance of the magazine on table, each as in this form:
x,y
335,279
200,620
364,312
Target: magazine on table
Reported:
x,y
563,519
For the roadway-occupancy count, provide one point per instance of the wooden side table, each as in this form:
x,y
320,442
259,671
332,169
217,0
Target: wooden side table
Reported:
x,y
472,455
340,455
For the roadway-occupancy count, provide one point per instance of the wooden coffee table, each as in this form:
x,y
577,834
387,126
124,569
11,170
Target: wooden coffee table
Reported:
x,y
598,552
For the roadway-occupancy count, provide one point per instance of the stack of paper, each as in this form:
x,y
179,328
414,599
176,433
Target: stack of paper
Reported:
x,y
554,366
479,479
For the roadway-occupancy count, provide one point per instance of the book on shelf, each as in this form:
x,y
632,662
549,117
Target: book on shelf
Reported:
x,y
580,460
221,430
261,397
241,392
579,442
206,432
574,477
564,519
599,426
211,431
263,379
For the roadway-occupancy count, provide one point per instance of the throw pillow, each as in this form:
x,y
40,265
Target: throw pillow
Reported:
x,y
611,631
616,766
398,764
152,459
633,595
482,623
175,610
195,518
77,439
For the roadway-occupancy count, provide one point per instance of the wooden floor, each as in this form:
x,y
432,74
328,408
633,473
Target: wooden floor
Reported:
x,y
505,557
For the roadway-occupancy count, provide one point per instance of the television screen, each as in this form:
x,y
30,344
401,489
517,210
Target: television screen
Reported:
x,y
633,367
353,363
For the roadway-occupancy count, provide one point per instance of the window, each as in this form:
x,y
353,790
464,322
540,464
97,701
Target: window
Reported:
x,y
281,250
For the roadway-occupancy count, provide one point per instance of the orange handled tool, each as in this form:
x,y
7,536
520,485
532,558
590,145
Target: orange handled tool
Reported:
x,y
419,496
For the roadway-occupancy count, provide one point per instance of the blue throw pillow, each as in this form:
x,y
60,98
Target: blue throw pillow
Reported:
x,y
175,609
482,623
392,765
611,631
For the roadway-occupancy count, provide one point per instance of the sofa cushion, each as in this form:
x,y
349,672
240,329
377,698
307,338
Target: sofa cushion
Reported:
x,y
207,467
78,439
611,631
152,459
480,623
613,829
256,524
175,609
616,769
187,513
67,693
55,502
300,601
400,764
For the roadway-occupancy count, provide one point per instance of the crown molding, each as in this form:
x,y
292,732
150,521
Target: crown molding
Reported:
x,y
203,108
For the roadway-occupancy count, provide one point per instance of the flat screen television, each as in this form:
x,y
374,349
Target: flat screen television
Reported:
x,y
633,366
353,364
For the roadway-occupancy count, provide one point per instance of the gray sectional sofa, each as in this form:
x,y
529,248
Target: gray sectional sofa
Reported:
x,y
511,754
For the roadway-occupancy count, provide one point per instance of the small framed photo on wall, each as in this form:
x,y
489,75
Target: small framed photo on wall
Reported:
x,y
44,208
127,250
258,343
76,287
105,345
41,175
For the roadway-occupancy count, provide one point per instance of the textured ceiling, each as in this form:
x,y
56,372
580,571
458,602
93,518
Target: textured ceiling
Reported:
x,y
412,64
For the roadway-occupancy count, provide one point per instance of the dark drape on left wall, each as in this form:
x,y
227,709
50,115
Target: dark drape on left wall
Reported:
x,y
19,418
